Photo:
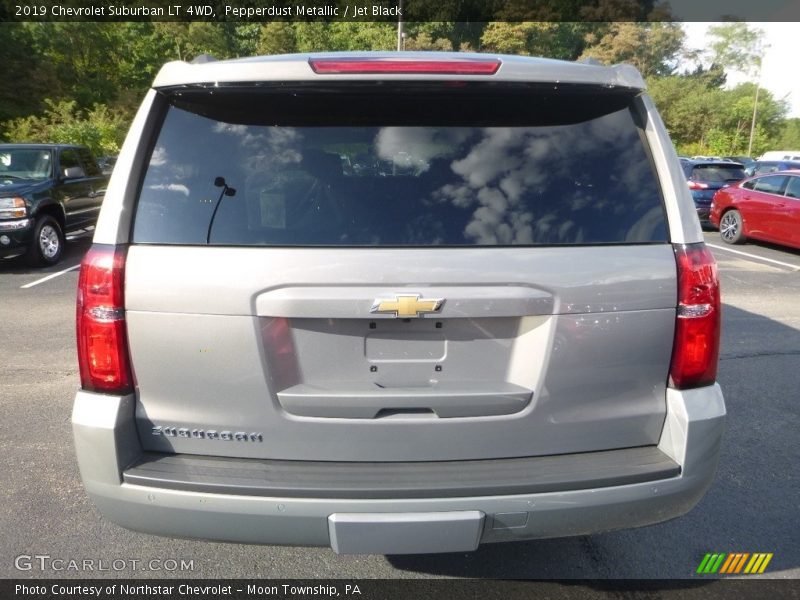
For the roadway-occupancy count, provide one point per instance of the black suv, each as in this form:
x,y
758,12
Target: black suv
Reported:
x,y
46,191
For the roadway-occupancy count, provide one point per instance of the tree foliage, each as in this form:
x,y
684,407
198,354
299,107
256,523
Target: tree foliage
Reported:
x,y
703,119
555,40
101,129
82,81
788,137
737,46
653,48
28,75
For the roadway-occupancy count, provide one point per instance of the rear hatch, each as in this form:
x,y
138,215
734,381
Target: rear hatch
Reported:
x,y
706,178
415,271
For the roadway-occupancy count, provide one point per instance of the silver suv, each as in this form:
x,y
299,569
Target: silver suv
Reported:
x,y
397,303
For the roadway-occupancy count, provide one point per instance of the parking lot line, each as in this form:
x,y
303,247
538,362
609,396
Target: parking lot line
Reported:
x,y
48,278
756,257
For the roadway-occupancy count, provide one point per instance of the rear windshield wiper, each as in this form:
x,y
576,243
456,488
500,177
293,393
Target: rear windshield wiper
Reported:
x,y
226,191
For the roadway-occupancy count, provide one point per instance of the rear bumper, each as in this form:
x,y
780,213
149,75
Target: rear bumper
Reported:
x,y
107,444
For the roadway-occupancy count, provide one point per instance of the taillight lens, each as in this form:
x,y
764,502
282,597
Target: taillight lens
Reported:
x,y
102,338
336,66
697,325
696,185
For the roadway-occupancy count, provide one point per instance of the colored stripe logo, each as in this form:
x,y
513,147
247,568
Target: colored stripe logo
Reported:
x,y
734,563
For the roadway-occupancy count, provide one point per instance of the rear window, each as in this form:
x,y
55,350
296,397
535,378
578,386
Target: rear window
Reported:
x,y
391,169
718,173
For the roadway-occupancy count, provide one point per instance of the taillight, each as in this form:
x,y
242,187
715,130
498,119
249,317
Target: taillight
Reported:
x,y
696,185
472,66
102,338
697,325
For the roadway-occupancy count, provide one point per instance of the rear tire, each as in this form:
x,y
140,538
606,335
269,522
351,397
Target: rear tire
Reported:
x,y
731,228
47,243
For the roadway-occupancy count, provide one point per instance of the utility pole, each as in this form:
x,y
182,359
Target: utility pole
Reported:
x,y
755,110
400,34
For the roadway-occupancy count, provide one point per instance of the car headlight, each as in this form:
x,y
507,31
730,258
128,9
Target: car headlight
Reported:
x,y
12,208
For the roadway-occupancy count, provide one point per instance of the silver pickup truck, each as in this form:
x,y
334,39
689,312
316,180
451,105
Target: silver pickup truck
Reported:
x,y
397,303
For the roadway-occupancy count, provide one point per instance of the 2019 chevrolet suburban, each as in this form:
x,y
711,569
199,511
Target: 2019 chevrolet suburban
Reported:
x,y
397,303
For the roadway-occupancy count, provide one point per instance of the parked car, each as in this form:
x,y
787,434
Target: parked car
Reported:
x,y
766,208
745,161
46,192
781,155
760,167
704,178
510,332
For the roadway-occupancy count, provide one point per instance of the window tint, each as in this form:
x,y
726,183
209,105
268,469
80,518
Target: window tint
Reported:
x,y
26,163
772,185
69,159
766,168
718,173
339,183
793,187
89,164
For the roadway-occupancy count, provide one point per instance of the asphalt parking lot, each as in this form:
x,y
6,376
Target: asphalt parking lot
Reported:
x,y
752,506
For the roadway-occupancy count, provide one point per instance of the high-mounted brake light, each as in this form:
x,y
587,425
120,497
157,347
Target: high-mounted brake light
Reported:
x,y
102,339
363,66
697,325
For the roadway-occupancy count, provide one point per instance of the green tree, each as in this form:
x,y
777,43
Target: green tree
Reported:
x,y
566,41
27,73
687,106
739,108
189,40
506,38
707,120
277,37
100,128
245,38
348,35
653,48
313,37
788,137
737,46
442,35
424,41
81,54
712,76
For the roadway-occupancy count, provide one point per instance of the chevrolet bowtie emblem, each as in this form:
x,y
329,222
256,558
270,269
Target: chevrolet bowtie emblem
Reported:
x,y
406,305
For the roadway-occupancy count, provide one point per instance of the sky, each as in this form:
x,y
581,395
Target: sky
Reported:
x,y
779,71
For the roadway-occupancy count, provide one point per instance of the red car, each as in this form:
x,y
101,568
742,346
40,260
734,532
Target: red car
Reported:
x,y
766,207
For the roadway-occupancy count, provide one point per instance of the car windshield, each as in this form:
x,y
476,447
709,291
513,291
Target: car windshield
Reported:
x,y
24,163
718,173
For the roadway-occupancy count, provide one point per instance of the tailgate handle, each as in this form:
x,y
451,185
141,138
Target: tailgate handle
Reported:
x,y
416,413
350,400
